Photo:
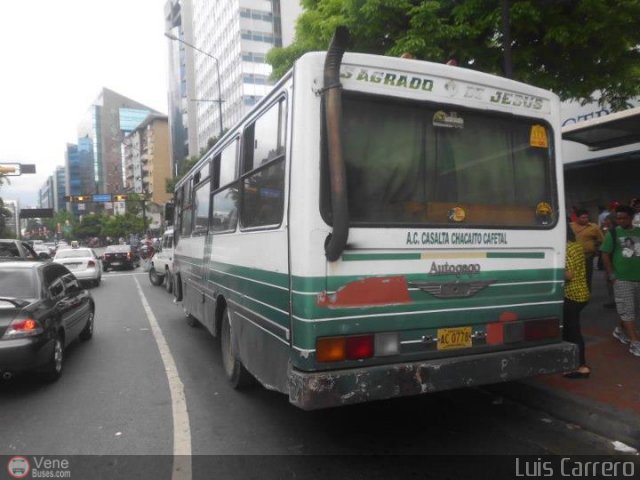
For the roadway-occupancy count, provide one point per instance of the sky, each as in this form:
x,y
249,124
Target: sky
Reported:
x,y
55,57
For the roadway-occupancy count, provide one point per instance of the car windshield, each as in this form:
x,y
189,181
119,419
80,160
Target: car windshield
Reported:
x,y
18,283
77,253
117,249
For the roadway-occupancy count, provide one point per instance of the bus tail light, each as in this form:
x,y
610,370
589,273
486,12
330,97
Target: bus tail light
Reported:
x,y
331,349
542,329
356,347
359,347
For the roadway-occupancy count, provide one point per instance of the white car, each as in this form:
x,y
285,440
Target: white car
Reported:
x,y
83,263
162,263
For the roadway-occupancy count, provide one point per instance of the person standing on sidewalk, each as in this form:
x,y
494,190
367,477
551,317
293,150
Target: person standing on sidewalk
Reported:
x,y
576,297
590,237
622,263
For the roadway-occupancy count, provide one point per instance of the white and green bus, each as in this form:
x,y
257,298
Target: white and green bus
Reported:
x,y
380,227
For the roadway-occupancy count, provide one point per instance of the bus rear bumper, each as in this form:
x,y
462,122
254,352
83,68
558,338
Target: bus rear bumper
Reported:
x,y
315,390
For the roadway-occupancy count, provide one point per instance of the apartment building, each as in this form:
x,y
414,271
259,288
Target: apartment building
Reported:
x,y
146,157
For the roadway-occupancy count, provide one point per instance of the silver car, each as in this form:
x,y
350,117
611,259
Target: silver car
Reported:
x,y
83,263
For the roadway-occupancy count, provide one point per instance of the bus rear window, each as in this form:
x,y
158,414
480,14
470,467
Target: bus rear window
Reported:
x,y
417,164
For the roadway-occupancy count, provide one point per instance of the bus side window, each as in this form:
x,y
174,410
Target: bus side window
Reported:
x,y
201,208
225,210
264,168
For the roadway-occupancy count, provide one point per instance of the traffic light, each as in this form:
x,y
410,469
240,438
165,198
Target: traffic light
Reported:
x,y
120,197
82,198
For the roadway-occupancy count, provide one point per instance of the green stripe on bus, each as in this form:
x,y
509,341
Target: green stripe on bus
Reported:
x,y
356,257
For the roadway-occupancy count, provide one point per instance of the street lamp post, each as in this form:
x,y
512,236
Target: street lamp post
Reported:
x,y
173,37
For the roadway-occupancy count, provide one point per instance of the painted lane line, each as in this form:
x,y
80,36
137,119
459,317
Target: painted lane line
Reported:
x,y
181,429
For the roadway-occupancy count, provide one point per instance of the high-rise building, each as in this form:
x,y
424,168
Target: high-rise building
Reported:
x,y
46,194
235,34
60,189
146,159
79,178
106,122
182,108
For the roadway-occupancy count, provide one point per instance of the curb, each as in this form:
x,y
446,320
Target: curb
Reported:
x,y
596,417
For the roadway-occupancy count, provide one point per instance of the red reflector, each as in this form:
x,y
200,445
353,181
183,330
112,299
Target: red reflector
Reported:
x,y
508,317
359,347
91,263
541,329
495,333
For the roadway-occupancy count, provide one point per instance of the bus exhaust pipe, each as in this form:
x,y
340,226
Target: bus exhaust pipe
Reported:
x,y
337,240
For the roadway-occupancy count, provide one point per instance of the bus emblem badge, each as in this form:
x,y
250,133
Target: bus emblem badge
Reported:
x,y
457,214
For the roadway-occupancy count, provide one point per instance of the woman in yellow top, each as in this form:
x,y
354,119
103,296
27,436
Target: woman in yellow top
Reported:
x,y
576,297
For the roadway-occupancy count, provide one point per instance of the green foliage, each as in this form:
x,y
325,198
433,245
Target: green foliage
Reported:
x,y
573,47
5,216
122,225
90,226
185,166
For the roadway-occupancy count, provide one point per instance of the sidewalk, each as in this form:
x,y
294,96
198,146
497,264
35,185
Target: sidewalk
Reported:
x,y
608,402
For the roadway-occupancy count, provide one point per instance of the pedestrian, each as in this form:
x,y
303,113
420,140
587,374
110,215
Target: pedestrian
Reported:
x,y
635,204
576,297
590,237
608,224
622,263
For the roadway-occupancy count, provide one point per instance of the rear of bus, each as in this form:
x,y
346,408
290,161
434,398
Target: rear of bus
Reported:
x,y
452,274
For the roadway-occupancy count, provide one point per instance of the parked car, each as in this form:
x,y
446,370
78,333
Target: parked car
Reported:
x,y
42,310
12,249
162,263
83,263
120,256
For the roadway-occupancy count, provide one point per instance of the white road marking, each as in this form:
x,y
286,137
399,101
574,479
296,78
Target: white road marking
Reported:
x,y
181,429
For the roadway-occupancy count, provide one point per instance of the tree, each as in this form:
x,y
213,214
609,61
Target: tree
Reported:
x,y
185,166
573,47
5,216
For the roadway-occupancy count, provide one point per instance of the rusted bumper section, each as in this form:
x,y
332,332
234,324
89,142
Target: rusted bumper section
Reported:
x,y
315,390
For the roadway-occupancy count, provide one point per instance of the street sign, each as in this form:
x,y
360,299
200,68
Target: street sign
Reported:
x,y
36,213
101,197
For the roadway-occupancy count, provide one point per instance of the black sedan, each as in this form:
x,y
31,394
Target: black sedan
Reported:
x,y
42,310
120,256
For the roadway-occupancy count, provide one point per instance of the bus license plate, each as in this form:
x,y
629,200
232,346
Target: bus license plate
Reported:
x,y
450,338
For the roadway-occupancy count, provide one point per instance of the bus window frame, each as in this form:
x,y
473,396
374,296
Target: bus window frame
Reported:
x,y
215,180
324,200
282,101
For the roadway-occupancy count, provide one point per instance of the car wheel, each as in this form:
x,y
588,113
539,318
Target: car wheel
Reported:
x,y
168,281
53,369
87,331
237,375
154,278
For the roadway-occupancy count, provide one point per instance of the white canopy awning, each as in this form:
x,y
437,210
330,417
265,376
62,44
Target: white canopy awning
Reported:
x,y
614,130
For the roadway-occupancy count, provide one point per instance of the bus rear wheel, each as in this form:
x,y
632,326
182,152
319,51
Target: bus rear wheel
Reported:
x,y
238,376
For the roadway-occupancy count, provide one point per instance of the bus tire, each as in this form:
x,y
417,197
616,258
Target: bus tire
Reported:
x,y
168,282
154,278
237,375
177,288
